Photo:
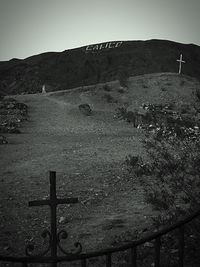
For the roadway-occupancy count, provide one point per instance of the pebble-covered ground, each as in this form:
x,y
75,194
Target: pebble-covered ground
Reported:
x,y
88,153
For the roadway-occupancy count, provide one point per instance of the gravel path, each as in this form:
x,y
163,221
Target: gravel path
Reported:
x,y
87,152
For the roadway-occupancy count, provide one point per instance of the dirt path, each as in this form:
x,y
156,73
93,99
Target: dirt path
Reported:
x,y
87,153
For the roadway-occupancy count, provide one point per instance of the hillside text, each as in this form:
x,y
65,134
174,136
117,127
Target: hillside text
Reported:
x,y
108,45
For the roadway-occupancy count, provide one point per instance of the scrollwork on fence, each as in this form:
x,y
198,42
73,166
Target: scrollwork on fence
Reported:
x,y
31,247
64,235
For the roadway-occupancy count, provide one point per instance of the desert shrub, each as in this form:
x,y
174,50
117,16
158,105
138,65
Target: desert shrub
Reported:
x,y
14,130
173,145
106,88
182,83
10,99
171,181
168,83
174,168
198,94
123,78
126,115
169,173
120,112
121,90
3,140
109,98
184,108
85,109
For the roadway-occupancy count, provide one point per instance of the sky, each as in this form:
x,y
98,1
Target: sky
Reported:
x,y
29,27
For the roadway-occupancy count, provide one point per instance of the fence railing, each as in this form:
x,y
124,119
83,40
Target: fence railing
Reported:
x,y
132,247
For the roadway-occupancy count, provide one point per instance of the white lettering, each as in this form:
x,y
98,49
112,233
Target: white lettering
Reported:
x,y
88,48
96,47
106,45
101,46
118,44
109,45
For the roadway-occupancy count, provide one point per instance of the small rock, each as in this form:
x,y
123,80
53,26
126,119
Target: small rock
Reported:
x,y
149,245
174,250
63,220
144,230
7,247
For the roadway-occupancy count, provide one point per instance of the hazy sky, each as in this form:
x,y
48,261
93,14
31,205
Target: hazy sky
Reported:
x,y
29,27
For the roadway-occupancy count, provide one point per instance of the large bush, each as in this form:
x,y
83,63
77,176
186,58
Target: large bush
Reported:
x,y
171,175
170,178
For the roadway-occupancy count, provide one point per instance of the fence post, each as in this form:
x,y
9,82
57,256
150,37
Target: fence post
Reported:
x,y
134,257
83,263
108,260
157,252
181,246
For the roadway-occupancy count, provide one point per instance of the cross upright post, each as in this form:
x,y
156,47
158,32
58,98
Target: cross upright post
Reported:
x,y
53,202
180,63
53,206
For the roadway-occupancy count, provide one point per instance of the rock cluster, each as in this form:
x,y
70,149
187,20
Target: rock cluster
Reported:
x,y
3,140
166,122
12,113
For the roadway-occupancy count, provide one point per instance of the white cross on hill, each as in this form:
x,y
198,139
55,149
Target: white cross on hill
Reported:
x,y
180,63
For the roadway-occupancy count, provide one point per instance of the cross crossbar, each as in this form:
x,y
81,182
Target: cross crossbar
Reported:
x,y
53,201
48,202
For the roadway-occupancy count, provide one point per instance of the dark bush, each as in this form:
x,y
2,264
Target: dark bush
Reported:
x,y
106,88
121,90
85,109
128,116
109,98
3,140
198,94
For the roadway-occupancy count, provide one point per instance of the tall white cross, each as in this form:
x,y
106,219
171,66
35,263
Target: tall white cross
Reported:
x,y
180,63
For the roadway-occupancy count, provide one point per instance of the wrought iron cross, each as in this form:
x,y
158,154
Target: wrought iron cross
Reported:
x,y
55,237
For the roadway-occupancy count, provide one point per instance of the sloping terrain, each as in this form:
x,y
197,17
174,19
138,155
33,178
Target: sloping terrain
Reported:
x,y
84,151
83,66
159,88
88,153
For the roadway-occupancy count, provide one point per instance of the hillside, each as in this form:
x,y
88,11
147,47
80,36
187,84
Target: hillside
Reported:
x,y
88,153
95,64
158,88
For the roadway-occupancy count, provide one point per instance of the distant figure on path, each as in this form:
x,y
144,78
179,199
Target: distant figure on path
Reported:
x,y
43,89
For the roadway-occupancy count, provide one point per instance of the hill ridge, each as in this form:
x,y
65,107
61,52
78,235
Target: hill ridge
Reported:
x,y
78,67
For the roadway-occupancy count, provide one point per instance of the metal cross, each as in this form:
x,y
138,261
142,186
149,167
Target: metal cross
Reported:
x,y
180,63
53,202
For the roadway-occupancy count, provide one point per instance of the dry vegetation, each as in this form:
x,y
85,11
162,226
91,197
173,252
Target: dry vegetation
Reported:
x,y
88,153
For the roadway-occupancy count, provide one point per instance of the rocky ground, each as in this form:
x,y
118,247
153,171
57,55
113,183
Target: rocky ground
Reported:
x,y
87,152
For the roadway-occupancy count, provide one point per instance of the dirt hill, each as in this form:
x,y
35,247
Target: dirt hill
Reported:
x,y
158,88
88,153
95,64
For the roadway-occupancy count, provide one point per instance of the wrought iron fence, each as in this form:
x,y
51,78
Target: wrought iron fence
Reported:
x,y
82,258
